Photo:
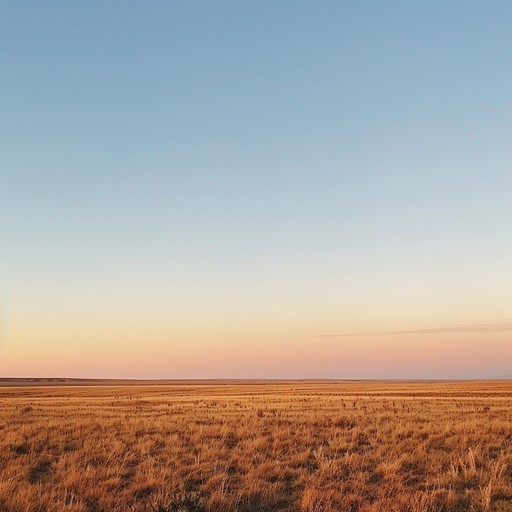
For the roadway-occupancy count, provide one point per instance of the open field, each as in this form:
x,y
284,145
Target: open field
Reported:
x,y
275,446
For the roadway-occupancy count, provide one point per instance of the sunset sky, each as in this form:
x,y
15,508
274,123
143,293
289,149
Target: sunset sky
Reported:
x,y
204,189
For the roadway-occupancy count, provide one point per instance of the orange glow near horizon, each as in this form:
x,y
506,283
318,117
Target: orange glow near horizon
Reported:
x,y
270,331
255,353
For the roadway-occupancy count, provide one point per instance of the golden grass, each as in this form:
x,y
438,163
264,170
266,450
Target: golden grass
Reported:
x,y
290,446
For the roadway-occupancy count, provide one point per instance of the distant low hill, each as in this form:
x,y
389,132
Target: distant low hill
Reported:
x,y
54,381
62,381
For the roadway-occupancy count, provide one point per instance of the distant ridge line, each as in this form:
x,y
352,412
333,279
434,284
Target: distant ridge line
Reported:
x,y
74,381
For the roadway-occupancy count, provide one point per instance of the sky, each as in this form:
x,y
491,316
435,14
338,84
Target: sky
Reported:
x,y
261,189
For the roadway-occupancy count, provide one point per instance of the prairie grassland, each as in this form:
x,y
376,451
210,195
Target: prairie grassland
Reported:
x,y
285,446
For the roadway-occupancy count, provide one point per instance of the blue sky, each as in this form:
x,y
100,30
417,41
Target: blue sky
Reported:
x,y
297,168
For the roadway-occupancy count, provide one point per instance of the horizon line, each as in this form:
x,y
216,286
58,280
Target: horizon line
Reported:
x,y
63,380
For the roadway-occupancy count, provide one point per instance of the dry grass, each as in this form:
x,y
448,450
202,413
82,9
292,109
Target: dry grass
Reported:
x,y
294,446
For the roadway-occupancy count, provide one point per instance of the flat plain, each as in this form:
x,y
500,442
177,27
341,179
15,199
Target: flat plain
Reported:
x,y
234,446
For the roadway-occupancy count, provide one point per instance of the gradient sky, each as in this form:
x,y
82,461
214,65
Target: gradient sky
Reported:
x,y
228,189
